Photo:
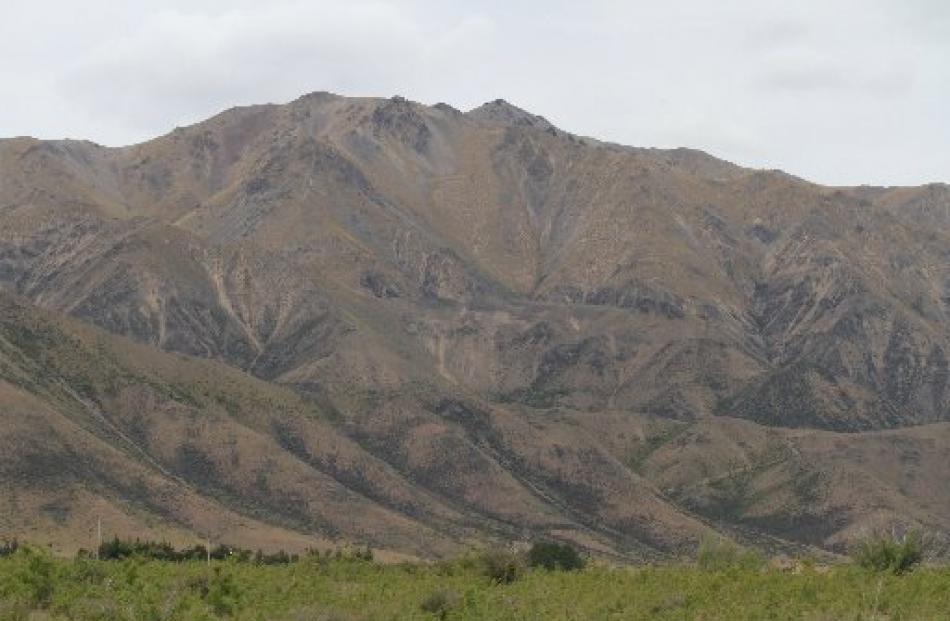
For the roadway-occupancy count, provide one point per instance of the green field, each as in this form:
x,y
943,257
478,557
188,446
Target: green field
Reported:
x,y
34,585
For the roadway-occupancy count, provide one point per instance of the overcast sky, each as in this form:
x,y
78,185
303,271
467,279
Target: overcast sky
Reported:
x,y
837,91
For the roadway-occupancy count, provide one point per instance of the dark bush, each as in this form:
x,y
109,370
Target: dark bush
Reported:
x,y
194,553
223,552
553,556
277,558
117,549
888,552
114,550
502,566
8,548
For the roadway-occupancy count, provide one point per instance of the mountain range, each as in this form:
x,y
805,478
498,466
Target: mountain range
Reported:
x,y
372,320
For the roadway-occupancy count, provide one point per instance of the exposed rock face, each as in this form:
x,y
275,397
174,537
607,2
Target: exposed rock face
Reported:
x,y
520,329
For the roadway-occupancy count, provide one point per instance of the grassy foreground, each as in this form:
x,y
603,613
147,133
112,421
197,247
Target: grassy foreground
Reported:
x,y
34,585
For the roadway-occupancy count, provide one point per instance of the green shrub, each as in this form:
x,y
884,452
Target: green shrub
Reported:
x,y
888,552
553,556
222,594
502,566
440,602
716,553
36,576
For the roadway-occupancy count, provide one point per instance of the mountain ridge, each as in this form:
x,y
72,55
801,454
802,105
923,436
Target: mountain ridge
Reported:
x,y
526,325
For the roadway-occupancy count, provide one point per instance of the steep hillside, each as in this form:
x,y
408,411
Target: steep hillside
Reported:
x,y
163,443
513,329
99,426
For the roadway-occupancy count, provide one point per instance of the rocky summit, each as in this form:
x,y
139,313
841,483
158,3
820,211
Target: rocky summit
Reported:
x,y
371,320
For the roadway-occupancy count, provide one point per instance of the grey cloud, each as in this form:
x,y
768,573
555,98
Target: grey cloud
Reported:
x,y
804,79
826,90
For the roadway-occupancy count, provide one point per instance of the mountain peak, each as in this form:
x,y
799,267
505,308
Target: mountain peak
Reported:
x,y
501,112
319,96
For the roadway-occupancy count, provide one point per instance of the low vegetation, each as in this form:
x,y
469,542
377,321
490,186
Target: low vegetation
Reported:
x,y
441,602
890,552
718,553
548,581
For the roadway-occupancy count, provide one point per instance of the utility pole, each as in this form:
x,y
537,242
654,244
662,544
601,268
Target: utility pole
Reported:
x,y
99,536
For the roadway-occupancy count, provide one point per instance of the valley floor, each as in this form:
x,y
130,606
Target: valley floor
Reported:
x,y
36,586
